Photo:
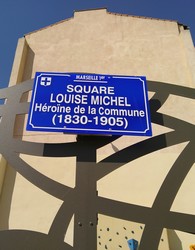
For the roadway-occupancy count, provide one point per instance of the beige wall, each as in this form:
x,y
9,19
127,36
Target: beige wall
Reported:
x,y
100,42
2,171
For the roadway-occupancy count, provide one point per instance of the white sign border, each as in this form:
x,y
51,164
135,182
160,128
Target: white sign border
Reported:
x,y
63,129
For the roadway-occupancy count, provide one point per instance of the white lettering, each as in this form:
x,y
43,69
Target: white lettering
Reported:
x,y
110,100
87,89
68,98
121,112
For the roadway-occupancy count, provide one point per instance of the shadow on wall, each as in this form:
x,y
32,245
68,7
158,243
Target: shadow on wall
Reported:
x,y
28,66
174,241
19,126
6,197
83,201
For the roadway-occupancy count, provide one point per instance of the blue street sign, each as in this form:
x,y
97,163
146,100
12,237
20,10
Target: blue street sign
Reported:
x,y
89,104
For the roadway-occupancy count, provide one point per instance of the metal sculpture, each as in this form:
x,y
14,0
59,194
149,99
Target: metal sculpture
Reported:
x,y
83,200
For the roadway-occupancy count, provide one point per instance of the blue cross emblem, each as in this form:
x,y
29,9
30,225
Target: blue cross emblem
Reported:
x,y
45,81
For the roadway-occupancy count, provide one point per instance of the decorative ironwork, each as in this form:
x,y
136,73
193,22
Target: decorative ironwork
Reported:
x,y
83,201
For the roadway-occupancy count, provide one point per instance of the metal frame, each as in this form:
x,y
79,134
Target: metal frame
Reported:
x,y
83,200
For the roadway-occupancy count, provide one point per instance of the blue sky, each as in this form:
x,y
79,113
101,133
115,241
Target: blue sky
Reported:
x,y
22,16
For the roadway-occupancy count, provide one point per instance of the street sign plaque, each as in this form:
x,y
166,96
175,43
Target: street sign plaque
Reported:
x,y
89,104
